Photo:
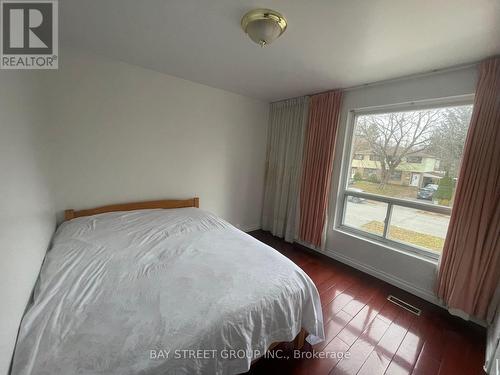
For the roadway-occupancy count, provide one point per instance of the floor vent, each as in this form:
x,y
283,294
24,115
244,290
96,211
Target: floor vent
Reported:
x,y
404,305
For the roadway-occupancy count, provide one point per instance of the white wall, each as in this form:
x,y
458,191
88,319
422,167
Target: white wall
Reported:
x,y
123,133
27,219
99,131
412,273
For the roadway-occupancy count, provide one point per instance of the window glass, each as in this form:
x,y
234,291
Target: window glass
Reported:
x,y
413,154
365,215
404,167
418,228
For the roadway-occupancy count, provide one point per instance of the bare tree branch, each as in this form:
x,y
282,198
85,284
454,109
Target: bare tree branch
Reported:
x,y
393,136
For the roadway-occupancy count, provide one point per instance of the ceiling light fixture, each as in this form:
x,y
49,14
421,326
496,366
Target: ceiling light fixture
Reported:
x,y
263,26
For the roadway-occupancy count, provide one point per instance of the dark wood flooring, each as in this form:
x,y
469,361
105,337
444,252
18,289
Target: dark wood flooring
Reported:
x,y
381,337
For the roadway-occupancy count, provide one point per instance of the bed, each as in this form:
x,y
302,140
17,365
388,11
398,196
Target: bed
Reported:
x,y
161,288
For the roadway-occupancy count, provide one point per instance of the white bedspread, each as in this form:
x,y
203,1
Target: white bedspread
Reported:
x,y
117,289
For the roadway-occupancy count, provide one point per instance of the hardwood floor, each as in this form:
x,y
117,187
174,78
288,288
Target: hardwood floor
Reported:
x,y
380,337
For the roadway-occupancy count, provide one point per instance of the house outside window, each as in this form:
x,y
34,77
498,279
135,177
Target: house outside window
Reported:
x,y
405,201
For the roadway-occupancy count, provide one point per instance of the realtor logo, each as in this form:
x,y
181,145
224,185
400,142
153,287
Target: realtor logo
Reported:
x,y
29,37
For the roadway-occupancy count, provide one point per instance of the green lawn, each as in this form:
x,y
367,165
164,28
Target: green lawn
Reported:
x,y
396,191
404,235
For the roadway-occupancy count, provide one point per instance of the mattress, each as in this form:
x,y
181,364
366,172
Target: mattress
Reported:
x,y
177,291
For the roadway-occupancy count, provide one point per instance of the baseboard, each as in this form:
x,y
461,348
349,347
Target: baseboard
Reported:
x,y
250,228
391,279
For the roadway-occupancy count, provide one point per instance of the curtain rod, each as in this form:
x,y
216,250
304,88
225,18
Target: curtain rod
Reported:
x,y
390,80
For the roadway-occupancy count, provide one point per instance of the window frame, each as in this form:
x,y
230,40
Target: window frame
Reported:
x,y
343,192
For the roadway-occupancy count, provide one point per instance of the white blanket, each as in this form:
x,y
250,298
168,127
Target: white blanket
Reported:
x,y
139,292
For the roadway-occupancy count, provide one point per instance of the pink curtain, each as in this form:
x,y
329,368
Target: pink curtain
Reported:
x,y
324,110
470,264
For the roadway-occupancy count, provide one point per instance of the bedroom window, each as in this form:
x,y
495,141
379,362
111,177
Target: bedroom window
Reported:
x,y
403,195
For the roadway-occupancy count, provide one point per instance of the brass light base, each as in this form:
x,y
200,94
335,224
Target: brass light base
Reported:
x,y
264,14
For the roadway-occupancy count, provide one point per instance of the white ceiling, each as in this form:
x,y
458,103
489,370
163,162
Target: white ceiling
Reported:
x,y
328,44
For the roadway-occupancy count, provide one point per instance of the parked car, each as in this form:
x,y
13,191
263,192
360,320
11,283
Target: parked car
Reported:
x,y
352,199
427,192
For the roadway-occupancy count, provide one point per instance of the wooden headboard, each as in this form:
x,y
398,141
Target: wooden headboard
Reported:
x,y
168,203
